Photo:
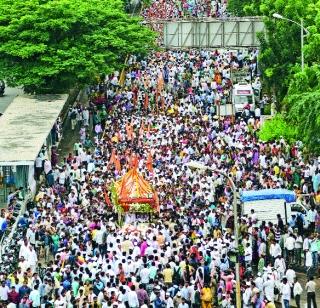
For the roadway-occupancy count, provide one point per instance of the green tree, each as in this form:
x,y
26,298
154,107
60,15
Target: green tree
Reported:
x,y
53,45
280,55
244,7
305,115
236,7
303,106
276,128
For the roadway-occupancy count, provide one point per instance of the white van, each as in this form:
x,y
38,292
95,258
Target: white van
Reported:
x,y
242,94
268,203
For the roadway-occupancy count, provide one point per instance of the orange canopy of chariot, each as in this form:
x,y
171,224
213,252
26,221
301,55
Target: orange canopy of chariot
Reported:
x,y
133,188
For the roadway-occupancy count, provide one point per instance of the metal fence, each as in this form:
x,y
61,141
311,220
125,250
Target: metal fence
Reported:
x,y
209,33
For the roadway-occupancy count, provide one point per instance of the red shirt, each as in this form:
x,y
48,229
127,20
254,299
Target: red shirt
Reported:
x,y
13,297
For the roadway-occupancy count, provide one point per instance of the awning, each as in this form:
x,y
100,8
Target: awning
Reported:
x,y
25,126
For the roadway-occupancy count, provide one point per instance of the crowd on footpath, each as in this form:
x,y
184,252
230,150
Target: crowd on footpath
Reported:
x,y
176,9
74,253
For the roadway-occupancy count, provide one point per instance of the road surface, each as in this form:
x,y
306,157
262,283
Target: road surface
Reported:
x,y
9,95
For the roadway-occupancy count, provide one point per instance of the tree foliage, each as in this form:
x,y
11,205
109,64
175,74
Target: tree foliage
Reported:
x,y
244,7
276,128
52,45
305,115
303,106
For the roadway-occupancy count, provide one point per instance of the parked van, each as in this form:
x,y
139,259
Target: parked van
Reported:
x,y
268,203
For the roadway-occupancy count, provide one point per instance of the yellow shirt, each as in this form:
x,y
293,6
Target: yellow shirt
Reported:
x,y
217,233
126,246
167,275
206,294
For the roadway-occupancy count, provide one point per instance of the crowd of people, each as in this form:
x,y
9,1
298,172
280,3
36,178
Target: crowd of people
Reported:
x,y
162,115
176,9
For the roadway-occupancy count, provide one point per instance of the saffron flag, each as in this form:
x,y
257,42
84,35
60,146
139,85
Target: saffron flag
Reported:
x,y
149,163
107,199
160,83
118,164
129,130
134,161
119,136
112,157
146,101
162,103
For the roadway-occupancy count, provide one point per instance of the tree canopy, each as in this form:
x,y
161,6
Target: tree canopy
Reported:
x,y
50,46
278,128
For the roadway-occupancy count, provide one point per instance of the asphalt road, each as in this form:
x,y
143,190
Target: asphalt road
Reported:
x,y
9,95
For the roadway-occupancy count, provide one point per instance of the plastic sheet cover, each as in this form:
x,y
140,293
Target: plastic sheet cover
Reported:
x,y
268,194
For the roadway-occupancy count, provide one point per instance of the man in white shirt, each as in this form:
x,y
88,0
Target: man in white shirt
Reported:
x,y
248,255
4,289
291,275
311,218
297,290
259,284
275,250
286,293
47,166
169,301
311,292
144,274
35,296
268,287
246,297
298,249
38,167
24,249
308,260
280,266
183,304
133,298
289,246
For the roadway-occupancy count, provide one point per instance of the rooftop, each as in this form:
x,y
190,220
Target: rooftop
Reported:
x,y
25,125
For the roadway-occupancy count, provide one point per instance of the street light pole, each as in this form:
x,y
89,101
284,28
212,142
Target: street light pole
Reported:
x,y
197,165
303,32
302,43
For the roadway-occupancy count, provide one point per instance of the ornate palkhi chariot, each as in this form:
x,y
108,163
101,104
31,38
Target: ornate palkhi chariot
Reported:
x,y
134,198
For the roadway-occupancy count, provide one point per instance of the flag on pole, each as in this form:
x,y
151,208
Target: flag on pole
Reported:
x,y
112,157
162,103
146,101
149,163
117,164
160,83
134,161
107,199
119,136
129,131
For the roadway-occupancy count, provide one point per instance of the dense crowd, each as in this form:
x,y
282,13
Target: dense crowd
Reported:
x,y
175,9
75,254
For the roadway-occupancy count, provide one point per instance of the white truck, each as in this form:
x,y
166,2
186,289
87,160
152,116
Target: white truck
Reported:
x,y
267,203
242,95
